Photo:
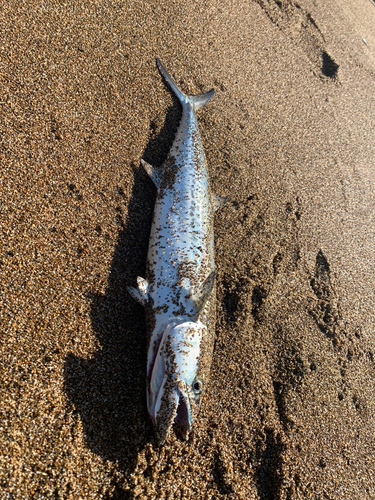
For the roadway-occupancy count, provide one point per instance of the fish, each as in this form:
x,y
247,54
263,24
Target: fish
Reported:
x,y
178,291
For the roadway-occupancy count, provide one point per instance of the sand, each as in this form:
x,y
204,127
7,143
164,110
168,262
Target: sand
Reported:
x,y
289,138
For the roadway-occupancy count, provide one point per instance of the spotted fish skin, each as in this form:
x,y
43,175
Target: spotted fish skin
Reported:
x,y
178,292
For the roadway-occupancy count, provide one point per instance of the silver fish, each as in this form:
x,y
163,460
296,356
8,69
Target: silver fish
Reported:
x,y
179,290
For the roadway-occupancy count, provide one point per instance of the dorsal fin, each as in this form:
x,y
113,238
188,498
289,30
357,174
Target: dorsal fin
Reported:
x,y
218,201
152,172
140,294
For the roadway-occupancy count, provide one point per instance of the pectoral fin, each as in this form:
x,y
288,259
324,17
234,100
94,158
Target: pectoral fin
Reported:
x,y
140,294
200,296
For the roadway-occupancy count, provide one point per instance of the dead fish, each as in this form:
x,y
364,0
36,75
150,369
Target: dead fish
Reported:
x,y
178,292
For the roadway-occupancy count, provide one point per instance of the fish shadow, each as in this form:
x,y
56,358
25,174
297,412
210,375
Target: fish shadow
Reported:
x,y
108,390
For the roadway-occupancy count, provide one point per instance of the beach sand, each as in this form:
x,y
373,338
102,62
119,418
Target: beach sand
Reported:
x,y
289,139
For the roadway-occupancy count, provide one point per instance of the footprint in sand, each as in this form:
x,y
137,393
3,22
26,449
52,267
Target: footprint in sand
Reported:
x,y
298,24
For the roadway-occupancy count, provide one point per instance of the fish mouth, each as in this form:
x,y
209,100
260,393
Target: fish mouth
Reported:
x,y
158,380
169,396
175,411
183,417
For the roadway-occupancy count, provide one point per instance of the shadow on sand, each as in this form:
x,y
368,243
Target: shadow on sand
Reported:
x,y
108,391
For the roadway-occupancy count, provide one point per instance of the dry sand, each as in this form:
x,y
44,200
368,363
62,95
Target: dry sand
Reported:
x,y
289,137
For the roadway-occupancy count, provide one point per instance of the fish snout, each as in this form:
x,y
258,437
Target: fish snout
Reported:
x,y
172,394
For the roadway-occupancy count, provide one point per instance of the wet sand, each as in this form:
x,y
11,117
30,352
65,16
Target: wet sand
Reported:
x,y
289,139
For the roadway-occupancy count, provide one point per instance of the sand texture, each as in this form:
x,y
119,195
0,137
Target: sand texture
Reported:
x,y
289,138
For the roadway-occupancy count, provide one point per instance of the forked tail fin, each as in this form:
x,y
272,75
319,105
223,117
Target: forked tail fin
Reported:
x,y
196,100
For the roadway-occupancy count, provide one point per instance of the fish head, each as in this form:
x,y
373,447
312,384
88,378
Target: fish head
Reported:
x,y
177,379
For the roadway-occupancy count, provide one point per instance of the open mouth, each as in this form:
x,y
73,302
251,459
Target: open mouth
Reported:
x,y
157,377
179,410
183,417
168,398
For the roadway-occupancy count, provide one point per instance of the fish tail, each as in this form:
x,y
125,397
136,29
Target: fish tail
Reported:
x,y
198,101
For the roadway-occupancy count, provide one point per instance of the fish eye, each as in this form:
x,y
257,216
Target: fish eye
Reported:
x,y
198,386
